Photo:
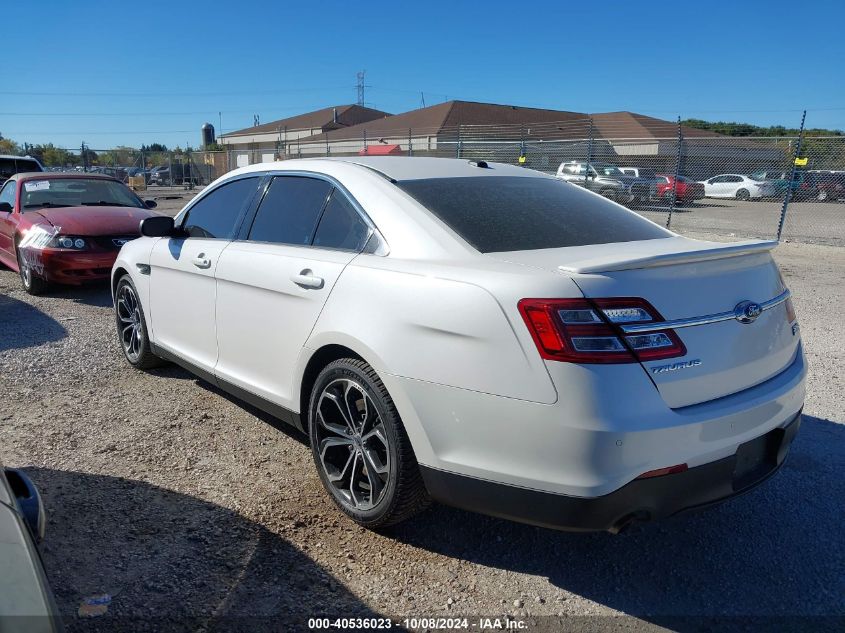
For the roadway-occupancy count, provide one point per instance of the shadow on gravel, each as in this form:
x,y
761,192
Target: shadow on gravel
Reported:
x,y
776,551
176,563
31,327
97,295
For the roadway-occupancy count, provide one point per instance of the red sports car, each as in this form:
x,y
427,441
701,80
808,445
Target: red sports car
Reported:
x,y
66,228
685,191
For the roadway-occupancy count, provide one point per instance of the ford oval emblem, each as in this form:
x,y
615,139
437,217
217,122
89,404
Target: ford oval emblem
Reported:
x,y
747,311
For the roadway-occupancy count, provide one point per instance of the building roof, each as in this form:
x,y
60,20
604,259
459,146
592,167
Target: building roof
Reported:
x,y
435,119
347,115
632,125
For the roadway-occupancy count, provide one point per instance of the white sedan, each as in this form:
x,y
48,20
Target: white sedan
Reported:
x,y
479,334
737,186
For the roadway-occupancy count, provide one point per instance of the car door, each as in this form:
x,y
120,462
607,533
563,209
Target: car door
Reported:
x,y
7,221
717,187
273,283
182,286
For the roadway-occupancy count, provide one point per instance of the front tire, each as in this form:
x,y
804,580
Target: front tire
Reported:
x,y
743,195
30,281
360,447
132,326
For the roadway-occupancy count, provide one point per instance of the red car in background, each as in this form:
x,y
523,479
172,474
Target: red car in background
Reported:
x,y
66,228
685,191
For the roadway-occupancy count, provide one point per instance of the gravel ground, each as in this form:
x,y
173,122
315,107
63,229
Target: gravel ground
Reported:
x,y
187,506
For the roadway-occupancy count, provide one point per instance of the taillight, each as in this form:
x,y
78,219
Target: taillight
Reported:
x,y
669,470
790,311
587,330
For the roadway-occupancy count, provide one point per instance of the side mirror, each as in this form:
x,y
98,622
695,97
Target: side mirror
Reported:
x,y
151,204
158,226
5,207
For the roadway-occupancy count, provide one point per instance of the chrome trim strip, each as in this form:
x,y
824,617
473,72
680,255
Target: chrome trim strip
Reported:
x,y
702,320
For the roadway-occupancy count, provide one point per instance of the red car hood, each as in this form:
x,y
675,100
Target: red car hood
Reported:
x,y
96,220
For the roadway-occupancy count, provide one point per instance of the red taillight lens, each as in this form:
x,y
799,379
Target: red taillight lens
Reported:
x,y
669,470
587,331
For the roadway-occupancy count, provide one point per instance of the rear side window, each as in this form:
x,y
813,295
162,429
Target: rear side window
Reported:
x,y
515,213
11,166
289,211
341,226
216,214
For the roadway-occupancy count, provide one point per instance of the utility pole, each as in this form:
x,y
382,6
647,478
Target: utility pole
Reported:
x,y
361,87
255,121
422,100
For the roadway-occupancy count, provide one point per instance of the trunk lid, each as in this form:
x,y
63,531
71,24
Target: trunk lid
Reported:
x,y
685,279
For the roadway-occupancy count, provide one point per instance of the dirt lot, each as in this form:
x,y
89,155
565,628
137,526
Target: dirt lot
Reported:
x,y
187,506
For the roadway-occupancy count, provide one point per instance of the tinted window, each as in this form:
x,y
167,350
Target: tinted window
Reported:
x,y
289,211
511,213
341,226
11,166
8,193
215,215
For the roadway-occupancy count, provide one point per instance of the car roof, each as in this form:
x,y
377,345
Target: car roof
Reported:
x,y
405,167
28,175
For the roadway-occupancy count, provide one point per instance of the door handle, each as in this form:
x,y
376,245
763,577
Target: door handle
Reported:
x,y
307,279
201,261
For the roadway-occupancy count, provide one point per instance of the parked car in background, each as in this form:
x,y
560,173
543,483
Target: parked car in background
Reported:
x,y
803,185
827,186
66,228
686,189
639,172
737,186
175,174
607,180
11,165
480,334
26,601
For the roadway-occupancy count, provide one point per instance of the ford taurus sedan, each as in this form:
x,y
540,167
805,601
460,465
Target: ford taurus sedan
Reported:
x,y
26,601
479,334
66,228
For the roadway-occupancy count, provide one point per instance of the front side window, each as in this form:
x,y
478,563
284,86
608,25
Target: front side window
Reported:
x,y
290,210
216,214
341,226
8,193
514,213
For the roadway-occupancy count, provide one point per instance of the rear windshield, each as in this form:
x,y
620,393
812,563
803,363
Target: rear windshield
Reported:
x,y
11,166
517,213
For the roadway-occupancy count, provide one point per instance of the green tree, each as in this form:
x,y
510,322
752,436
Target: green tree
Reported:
x,y
8,146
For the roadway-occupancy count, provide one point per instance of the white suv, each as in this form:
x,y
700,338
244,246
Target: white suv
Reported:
x,y
480,334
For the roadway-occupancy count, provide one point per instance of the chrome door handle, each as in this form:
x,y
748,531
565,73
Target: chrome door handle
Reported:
x,y
201,261
306,279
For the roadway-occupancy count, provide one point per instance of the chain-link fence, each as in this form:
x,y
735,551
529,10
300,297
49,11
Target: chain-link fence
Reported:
x,y
693,181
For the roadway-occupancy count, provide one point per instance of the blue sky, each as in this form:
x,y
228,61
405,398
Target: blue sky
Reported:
x,y
119,73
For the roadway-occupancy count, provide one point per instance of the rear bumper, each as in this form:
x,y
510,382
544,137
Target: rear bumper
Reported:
x,y
639,500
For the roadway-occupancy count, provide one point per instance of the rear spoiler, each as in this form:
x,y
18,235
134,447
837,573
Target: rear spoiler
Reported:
x,y
706,251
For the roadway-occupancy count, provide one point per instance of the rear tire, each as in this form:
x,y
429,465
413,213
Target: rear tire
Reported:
x,y
822,195
30,281
132,326
360,448
743,195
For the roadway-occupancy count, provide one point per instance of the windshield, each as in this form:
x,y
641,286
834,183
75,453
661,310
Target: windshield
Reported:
x,y
75,192
516,213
